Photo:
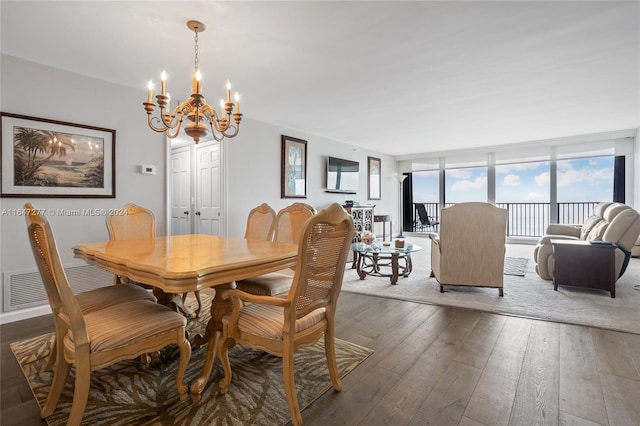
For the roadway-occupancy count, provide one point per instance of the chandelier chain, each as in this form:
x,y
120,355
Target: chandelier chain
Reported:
x,y
196,49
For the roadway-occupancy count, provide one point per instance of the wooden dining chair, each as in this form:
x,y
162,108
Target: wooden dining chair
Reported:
x,y
99,338
260,223
279,325
132,222
287,228
101,297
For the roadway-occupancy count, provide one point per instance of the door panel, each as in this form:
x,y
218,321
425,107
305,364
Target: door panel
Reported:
x,y
208,190
180,191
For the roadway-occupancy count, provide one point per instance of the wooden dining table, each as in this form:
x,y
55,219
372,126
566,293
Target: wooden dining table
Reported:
x,y
185,263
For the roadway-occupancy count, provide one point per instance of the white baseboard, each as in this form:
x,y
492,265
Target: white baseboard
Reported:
x,y
22,314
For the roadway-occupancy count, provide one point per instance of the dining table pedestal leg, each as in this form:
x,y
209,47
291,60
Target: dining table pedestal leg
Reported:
x,y
174,301
212,337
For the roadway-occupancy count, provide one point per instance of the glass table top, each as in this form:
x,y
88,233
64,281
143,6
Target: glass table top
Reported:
x,y
382,248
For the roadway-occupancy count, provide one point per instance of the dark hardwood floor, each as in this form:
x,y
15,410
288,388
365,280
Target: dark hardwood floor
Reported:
x,y
441,366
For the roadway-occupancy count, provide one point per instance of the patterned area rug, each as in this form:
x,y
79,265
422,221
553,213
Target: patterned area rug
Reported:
x,y
515,266
124,394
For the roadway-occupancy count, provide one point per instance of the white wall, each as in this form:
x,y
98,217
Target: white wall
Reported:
x,y
253,173
40,91
252,163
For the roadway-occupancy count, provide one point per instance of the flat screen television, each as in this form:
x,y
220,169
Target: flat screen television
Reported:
x,y
342,175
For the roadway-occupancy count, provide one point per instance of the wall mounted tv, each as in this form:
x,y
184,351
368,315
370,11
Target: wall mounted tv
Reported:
x,y
342,175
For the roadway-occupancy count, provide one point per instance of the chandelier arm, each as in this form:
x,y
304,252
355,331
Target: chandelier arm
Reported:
x,y
235,128
175,133
175,117
210,112
151,120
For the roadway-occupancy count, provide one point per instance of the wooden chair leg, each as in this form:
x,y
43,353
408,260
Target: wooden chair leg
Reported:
x,y
63,368
441,289
290,386
329,349
185,355
500,291
52,357
81,388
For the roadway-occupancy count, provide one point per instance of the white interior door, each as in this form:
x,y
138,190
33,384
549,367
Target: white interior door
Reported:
x,y
180,191
208,189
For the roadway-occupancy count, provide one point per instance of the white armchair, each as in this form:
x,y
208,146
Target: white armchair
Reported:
x,y
470,248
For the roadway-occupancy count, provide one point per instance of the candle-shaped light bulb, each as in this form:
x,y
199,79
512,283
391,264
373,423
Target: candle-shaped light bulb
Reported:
x,y
168,102
228,85
163,79
198,78
221,108
237,99
150,87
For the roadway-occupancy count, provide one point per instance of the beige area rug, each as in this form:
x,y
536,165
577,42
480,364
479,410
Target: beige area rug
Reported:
x,y
515,266
124,394
528,296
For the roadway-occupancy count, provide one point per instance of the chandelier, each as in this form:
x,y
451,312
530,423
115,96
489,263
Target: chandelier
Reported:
x,y
195,109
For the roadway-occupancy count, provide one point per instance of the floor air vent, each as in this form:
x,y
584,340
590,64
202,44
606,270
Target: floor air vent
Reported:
x,y
24,289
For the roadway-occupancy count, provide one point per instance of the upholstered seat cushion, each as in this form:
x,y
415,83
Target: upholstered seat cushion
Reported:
x,y
103,297
270,284
134,321
268,321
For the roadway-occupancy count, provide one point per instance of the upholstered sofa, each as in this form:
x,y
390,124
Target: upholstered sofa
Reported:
x,y
613,222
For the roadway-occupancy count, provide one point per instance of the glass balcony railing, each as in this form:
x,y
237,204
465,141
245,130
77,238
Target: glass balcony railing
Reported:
x,y
524,219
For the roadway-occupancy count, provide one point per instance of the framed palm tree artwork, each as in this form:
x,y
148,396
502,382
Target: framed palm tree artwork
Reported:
x,y
49,158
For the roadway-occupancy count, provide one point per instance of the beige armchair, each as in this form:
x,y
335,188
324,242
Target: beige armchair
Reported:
x,y
613,222
470,248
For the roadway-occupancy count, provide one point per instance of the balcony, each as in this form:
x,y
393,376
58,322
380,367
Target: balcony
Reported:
x,y
524,219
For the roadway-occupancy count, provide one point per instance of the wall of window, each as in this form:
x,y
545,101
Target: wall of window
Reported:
x,y
523,182
465,184
554,182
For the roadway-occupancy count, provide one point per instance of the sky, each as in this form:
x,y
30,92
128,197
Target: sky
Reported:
x,y
585,179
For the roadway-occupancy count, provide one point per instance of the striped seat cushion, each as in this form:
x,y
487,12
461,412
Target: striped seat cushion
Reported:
x,y
103,297
268,321
270,284
126,323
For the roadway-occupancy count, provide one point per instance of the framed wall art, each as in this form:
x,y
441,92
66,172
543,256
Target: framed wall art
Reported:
x,y
293,168
374,181
48,158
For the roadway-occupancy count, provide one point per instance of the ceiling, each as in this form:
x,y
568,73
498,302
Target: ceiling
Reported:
x,y
401,78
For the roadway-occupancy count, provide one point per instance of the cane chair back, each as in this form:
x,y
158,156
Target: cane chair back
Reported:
x,y
260,223
287,228
282,325
131,222
290,222
99,338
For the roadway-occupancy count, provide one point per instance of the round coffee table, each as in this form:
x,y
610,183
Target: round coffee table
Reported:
x,y
372,259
